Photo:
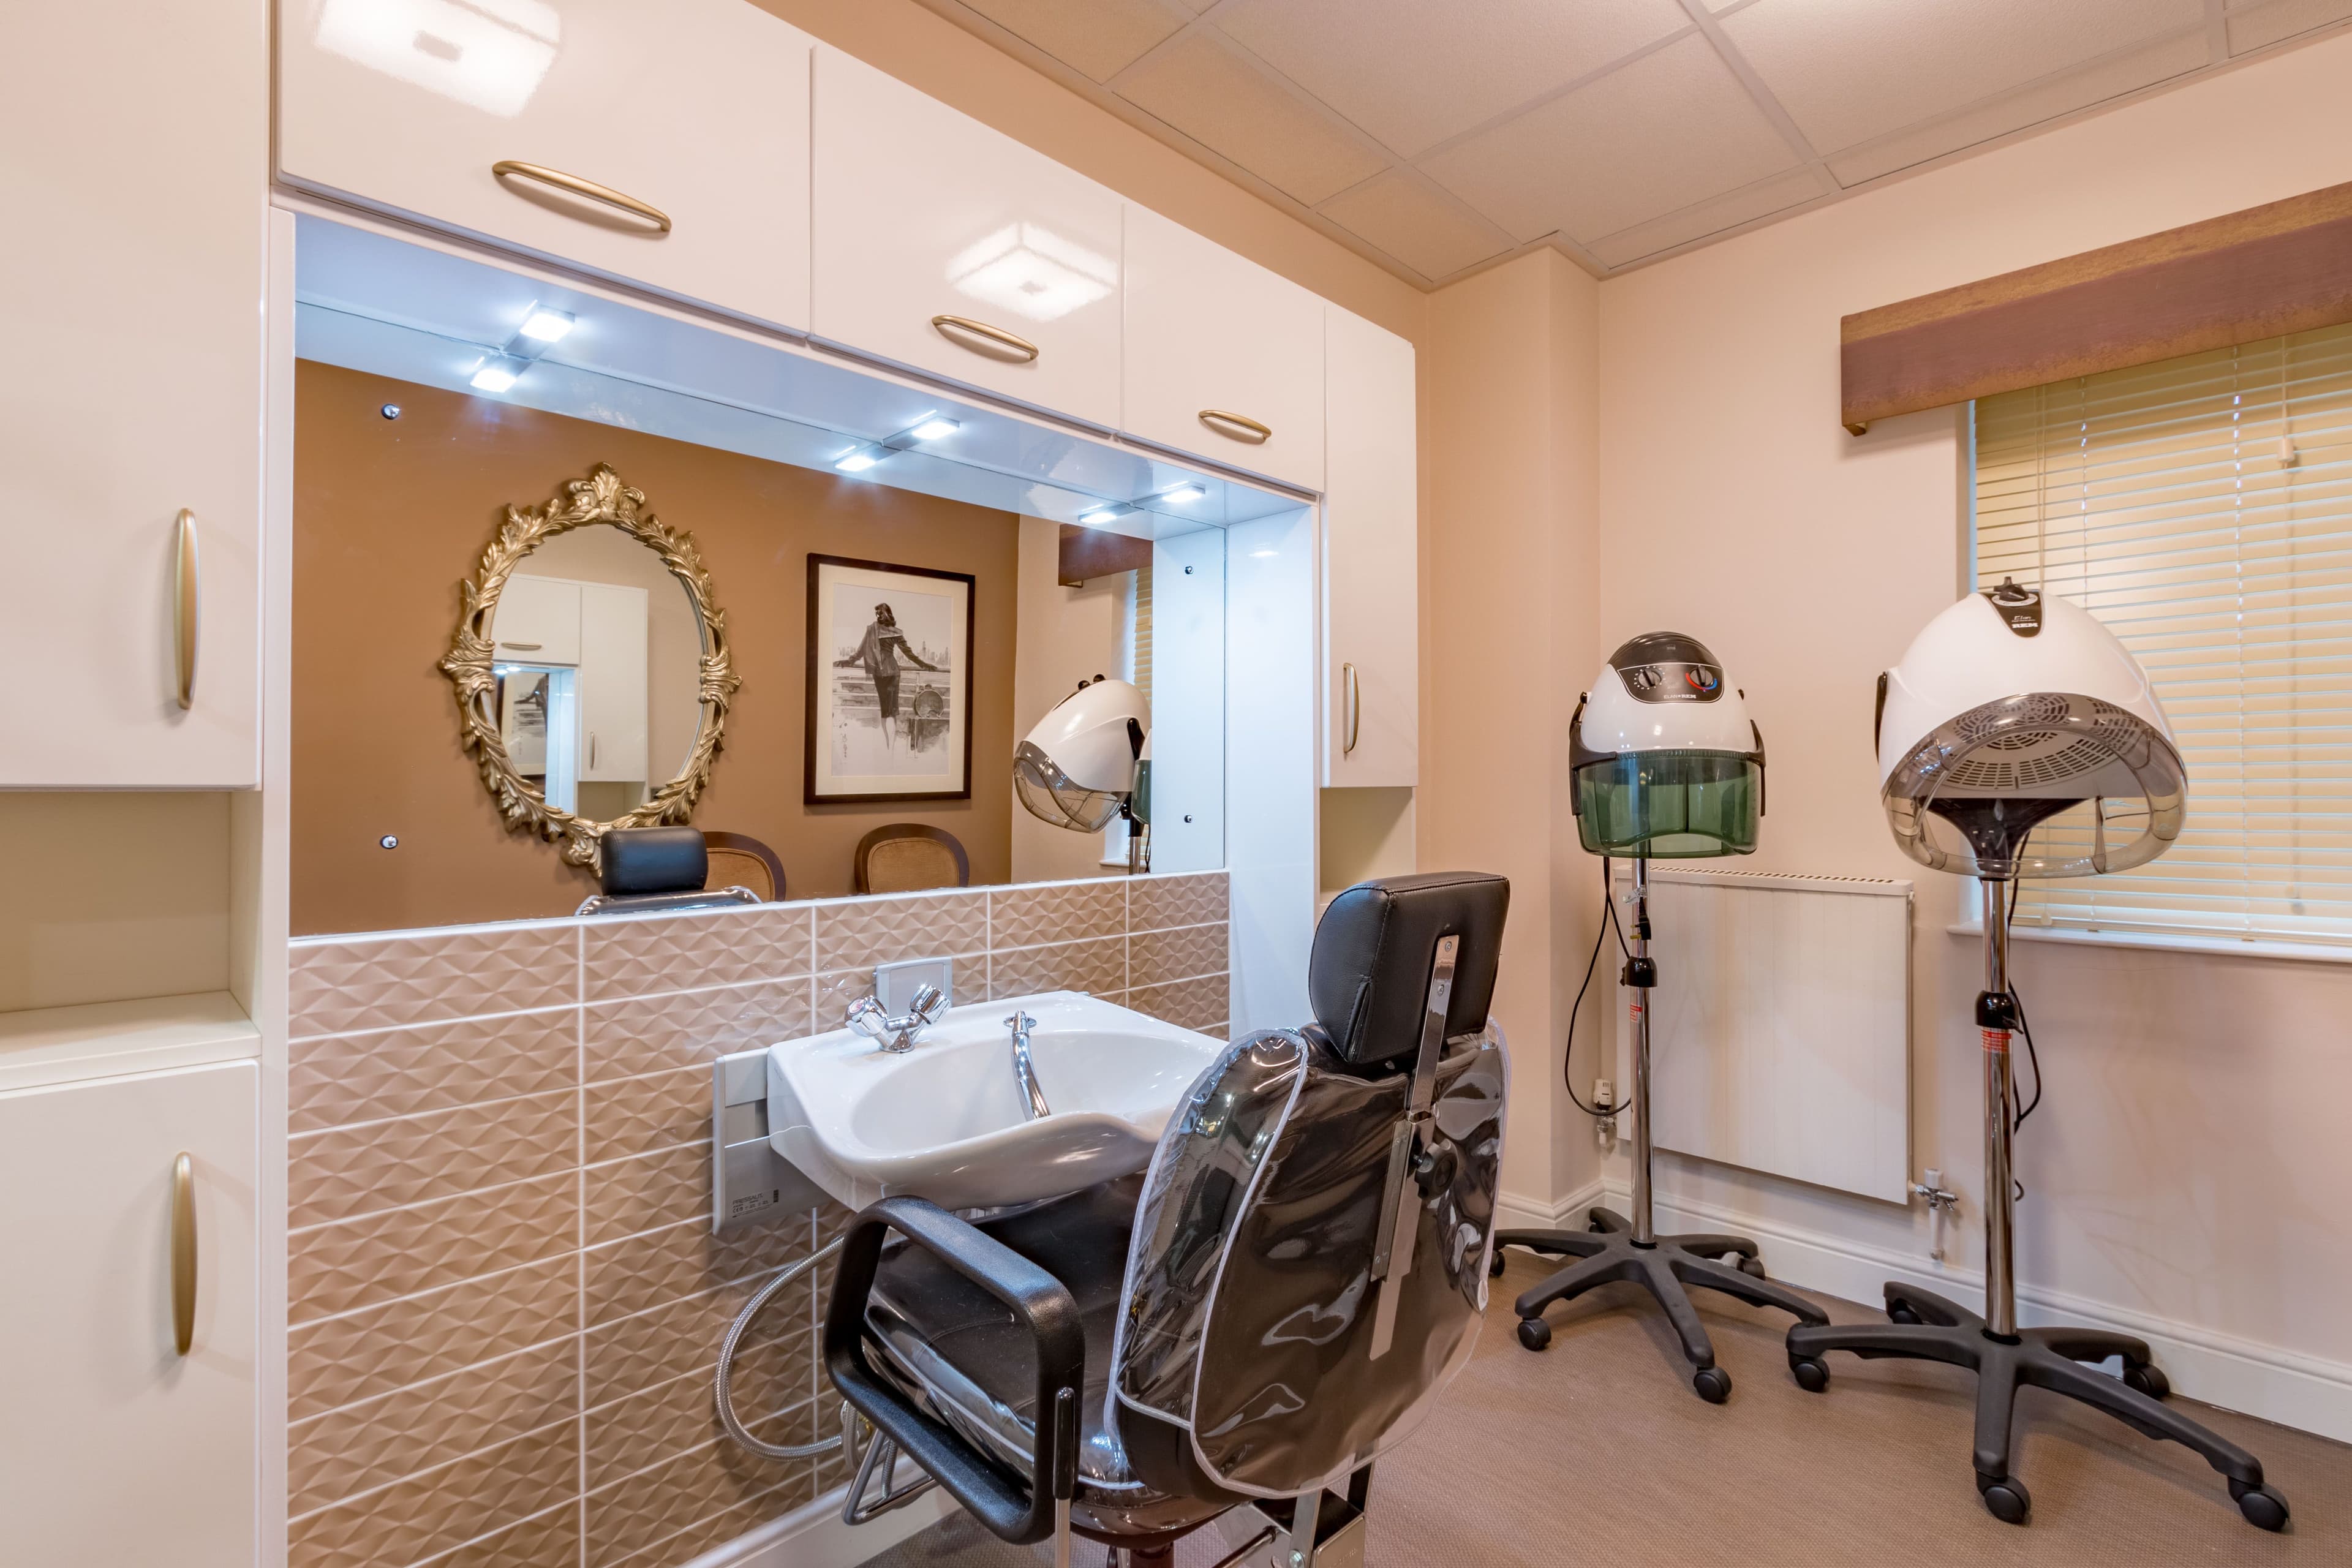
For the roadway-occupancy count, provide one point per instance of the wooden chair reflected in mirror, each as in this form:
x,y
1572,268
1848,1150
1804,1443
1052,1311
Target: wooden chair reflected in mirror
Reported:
x,y
739,860
908,856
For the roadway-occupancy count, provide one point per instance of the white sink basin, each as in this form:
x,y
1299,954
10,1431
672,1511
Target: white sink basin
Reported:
x,y
945,1120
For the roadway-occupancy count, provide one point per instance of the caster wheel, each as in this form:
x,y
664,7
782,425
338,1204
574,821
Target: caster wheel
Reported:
x,y
1899,1313
1752,1267
1534,1333
2263,1509
2005,1499
1494,1265
1714,1384
1812,1372
2149,1381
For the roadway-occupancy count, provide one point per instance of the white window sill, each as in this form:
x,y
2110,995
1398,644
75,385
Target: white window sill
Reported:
x,y
2168,942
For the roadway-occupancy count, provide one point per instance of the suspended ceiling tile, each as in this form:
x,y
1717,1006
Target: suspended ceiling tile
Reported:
x,y
1415,72
1850,70
2028,106
1100,38
1760,200
2256,24
1201,86
1399,215
1667,131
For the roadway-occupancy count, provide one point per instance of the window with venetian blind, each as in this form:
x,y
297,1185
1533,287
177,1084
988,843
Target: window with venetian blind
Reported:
x,y
2202,509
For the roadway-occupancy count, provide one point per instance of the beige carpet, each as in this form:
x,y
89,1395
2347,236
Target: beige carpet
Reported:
x,y
1597,1452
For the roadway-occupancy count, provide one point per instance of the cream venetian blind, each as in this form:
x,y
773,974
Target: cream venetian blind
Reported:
x,y
2202,508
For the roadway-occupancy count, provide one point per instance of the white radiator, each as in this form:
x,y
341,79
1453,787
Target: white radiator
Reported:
x,y
1780,1035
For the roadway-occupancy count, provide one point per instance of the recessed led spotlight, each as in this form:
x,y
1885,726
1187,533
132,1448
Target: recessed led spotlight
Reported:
x,y
931,427
495,375
1186,491
1103,515
857,459
543,325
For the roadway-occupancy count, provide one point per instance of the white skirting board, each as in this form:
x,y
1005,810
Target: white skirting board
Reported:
x,y
812,1536
2281,1385
1780,1024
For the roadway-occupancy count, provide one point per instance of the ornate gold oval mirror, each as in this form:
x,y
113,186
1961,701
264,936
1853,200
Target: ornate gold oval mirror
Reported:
x,y
590,667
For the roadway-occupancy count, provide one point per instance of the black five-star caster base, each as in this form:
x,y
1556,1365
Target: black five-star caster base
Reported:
x,y
1667,1267
1926,1326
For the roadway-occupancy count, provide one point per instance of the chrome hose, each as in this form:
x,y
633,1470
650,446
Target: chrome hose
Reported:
x,y
733,1343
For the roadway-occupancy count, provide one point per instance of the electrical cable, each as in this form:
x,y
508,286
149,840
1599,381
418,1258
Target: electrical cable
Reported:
x,y
2008,914
1567,1056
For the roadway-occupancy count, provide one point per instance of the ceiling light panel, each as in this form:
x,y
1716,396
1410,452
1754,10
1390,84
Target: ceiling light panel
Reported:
x,y
1671,128
1412,73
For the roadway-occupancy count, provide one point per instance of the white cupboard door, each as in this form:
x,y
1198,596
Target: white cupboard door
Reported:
x,y
613,718
1223,358
115,1448
135,138
1371,605
538,621
662,144
950,249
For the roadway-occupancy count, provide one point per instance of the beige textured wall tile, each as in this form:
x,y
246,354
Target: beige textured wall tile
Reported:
x,y
430,1512
638,955
1155,903
639,1115
401,1072
1099,965
729,1522
550,1540
654,1505
1156,957
367,1353
1023,917
355,1171
645,1193
1188,1004
657,1424
377,983
381,1440
337,1267
682,1337
859,933
649,1033
627,1277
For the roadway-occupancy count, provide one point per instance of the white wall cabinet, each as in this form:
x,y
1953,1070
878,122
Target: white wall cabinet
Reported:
x,y
115,1448
538,620
950,249
613,714
666,145
1371,604
132,315
1223,358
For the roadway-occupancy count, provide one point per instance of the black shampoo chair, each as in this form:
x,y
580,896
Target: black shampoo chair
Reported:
x,y
1256,1317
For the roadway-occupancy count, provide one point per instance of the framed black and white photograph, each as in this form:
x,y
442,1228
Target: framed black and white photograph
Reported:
x,y
889,682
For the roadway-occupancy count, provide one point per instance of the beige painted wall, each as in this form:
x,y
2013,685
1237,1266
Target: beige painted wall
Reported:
x,y
2189,1163
1509,422
113,897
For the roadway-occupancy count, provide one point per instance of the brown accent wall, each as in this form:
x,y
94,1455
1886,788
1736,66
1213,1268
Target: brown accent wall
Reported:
x,y
390,515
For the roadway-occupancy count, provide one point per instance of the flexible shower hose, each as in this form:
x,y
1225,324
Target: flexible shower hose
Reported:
x,y
733,1343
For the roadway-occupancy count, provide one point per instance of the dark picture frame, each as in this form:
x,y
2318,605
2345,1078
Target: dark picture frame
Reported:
x,y
873,729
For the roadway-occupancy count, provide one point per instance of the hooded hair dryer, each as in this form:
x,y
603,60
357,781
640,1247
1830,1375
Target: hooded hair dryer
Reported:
x,y
1089,761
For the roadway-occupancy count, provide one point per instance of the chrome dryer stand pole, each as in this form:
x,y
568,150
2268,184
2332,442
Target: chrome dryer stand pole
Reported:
x,y
1613,1249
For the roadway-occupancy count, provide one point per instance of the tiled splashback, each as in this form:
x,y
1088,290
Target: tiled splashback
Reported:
x,y
504,1297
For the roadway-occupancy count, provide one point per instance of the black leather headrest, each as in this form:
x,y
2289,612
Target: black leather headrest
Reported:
x,y
1368,980
654,860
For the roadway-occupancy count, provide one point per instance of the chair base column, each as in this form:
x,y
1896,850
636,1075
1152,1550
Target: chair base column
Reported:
x,y
1924,1326
1669,1267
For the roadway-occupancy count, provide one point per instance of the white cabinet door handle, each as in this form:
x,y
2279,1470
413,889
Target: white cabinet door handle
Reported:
x,y
187,606
1237,427
1355,708
509,168
993,343
183,1254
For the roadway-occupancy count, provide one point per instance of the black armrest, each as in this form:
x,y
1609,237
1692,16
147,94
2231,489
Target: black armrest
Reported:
x,y
1015,1508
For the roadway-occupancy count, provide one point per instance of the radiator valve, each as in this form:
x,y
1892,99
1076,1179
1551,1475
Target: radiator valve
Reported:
x,y
1939,1203
1605,1126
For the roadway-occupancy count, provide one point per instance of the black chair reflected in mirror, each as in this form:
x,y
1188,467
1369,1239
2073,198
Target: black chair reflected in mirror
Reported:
x,y
646,869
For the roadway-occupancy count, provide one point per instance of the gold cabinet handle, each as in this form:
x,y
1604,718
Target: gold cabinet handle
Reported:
x,y
993,342
1237,427
187,606
1355,708
183,1253
509,168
